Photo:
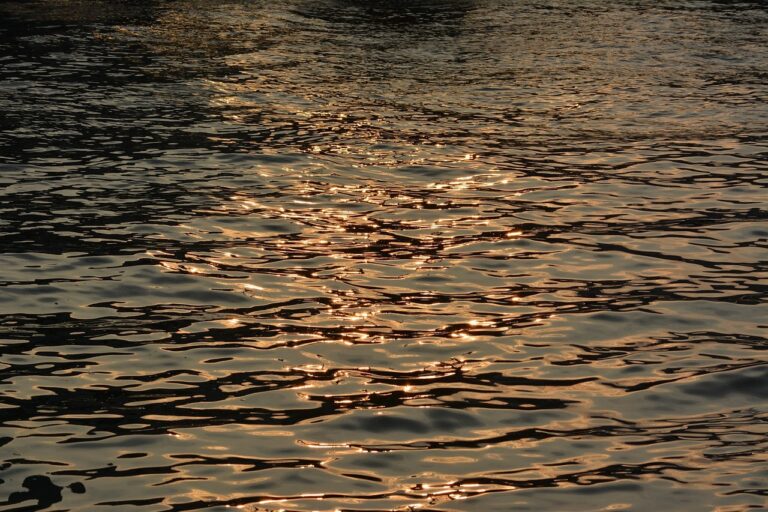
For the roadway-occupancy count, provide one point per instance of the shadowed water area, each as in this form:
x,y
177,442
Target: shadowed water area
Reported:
x,y
383,255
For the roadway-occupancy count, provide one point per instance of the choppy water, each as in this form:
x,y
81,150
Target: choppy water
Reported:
x,y
318,255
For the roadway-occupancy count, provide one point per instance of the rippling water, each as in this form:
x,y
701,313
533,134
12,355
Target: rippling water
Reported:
x,y
384,255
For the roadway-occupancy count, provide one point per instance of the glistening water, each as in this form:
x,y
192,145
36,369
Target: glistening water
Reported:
x,y
383,255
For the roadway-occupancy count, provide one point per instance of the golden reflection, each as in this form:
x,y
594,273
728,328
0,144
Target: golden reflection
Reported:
x,y
482,323
232,322
390,235
452,460
463,336
184,268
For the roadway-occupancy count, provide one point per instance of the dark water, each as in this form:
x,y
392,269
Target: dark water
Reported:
x,y
348,255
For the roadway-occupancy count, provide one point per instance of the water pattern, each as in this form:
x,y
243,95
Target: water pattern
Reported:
x,y
385,255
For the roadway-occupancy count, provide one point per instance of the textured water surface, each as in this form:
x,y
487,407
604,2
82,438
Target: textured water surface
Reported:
x,y
383,255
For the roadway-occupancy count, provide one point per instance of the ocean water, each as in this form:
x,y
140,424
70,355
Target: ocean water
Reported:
x,y
383,255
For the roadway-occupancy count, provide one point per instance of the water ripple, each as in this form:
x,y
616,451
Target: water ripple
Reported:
x,y
338,255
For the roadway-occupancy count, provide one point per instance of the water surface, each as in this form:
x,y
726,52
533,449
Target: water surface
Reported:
x,y
386,255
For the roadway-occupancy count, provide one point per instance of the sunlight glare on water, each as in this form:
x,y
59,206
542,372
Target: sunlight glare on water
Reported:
x,y
388,255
